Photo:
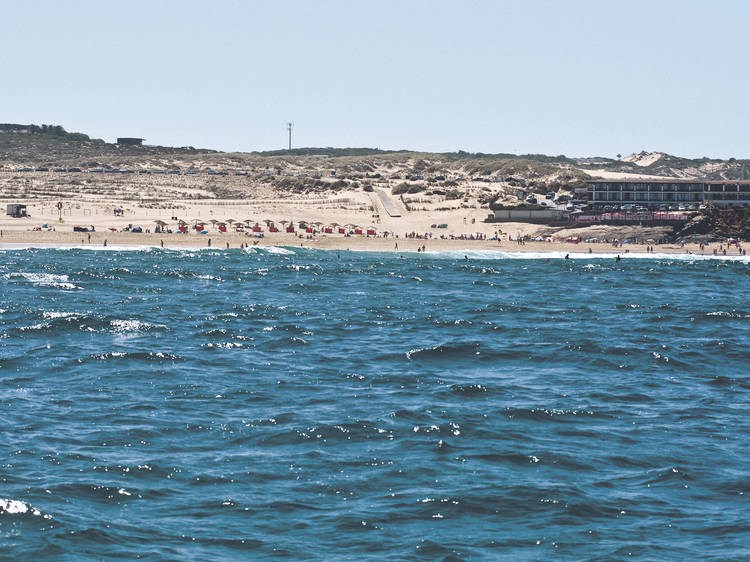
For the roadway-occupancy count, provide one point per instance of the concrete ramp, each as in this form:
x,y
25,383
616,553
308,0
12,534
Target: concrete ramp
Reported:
x,y
388,204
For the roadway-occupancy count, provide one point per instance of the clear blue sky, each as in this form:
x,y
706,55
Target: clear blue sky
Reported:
x,y
576,77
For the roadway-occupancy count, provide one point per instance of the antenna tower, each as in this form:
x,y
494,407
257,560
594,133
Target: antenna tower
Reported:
x,y
289,128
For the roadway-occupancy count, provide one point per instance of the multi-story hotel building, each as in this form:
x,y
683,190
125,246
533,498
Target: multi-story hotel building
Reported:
x,y
653,193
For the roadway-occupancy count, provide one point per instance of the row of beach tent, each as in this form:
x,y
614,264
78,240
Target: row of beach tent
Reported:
x,y
250,225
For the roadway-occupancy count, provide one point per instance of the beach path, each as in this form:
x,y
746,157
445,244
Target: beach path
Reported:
x,y
388,204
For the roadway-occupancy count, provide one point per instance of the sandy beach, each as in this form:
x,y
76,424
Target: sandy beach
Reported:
x,y
464,228
21,238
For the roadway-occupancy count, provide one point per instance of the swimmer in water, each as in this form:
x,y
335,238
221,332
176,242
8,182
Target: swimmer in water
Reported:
x,y
618,258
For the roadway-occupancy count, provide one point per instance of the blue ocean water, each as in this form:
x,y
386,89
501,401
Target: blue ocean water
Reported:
x,y
301,404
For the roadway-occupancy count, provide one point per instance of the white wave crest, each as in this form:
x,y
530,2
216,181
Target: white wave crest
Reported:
x,y
44,279
278,250
17,507
130,326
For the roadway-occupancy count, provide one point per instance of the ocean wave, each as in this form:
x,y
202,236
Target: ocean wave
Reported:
x,y
88,322
130,326
277,250
44,279
557,255
17,507
444,351
125,357
470,254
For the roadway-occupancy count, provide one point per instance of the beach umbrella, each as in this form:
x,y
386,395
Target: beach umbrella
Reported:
x,y
213,221
229,221
160,222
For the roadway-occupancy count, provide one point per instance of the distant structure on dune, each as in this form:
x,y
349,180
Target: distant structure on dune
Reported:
x,y
130,140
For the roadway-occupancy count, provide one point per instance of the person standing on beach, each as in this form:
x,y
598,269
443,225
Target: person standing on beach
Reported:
x,y
209,242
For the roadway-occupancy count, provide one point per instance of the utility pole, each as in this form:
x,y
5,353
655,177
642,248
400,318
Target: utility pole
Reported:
x,y
289,128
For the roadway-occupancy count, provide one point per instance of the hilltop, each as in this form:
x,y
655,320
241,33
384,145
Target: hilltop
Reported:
x,y
666,165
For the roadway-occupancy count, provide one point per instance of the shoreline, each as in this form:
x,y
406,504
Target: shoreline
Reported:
x,y
20,240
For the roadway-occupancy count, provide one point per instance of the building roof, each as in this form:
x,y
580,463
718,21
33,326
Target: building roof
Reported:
x,y
671,180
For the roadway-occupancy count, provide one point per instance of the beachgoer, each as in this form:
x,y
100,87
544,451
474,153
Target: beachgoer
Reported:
x,y
618,258
567,256
105,241
162,243
209,242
